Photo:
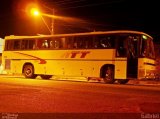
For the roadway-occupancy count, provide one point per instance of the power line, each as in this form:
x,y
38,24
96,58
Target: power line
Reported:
x,y
84,3
94,4
62,1
69,2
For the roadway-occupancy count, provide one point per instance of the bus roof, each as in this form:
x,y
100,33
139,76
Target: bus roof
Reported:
x,y
78,34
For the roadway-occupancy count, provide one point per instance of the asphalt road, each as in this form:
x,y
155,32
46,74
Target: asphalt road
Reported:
x,y
19,95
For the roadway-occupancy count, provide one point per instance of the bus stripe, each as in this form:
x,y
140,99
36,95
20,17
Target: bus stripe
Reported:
x,y
76,59
42,61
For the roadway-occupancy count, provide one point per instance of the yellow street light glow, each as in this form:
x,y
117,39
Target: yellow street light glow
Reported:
x,y
35,12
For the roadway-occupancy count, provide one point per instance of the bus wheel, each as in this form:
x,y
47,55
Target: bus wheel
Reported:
x,y
123,81
28,71
46,76
108,75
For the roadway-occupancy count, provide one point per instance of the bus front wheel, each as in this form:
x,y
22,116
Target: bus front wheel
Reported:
x,y
28,71
108,74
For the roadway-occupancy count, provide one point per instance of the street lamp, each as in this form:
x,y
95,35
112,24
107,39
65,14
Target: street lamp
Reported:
x,y
35,11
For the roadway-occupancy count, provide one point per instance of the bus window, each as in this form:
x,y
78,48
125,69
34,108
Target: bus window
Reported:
x,y
96,42
8,45
121,46
24,44
80,42
75,44
16,45
143,48
51,44
69,42
31,44
38,44
55,43
147,47
63,41
111,41
104,41
132,46
151,52
45,44
88,42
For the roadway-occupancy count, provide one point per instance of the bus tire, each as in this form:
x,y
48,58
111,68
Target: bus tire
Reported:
x,y
108,74
46,76
28,71
123,81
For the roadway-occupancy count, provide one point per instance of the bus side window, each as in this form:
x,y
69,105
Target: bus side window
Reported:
x,y
31,44
106,42
121,47
9,45
87,43
103,43
63,42
24,44
132,46
55,43
95,44
51,44
16,45
38,44
75,45
45,44
70,42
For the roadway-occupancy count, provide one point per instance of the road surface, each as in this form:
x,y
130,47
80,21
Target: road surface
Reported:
x,y
20,95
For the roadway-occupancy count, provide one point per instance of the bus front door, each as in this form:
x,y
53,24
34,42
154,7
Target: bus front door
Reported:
x,y
132,58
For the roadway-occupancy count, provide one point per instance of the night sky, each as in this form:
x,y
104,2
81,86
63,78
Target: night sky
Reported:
x,y
91,15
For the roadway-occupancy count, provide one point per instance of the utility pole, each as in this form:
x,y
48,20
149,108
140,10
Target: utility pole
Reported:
x,y
52,23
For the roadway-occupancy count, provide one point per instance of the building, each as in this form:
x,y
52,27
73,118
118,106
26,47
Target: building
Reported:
x,y
1,47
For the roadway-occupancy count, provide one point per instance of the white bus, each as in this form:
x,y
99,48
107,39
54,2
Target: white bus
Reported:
x,y
109,55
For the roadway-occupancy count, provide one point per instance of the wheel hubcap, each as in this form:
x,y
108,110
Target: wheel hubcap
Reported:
x,y
28,72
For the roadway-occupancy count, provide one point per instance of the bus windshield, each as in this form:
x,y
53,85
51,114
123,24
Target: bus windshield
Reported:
x,y
135,46
146,47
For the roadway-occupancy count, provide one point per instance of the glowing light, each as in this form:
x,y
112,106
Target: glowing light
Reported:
x,y
35,12
144,37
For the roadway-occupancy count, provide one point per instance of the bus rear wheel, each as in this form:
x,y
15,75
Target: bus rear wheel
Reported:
x,y
108,75
28,71
46,76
